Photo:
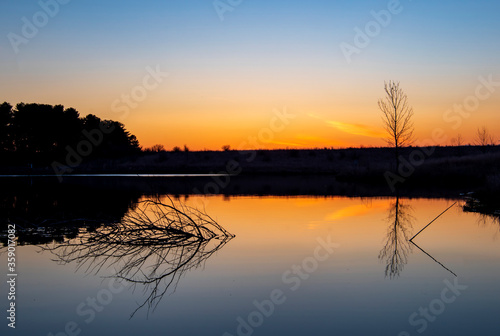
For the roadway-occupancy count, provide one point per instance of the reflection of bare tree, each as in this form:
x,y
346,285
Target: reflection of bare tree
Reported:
x,y
153,245
397,247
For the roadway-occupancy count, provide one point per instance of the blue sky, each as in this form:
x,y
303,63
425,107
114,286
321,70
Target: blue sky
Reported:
x,y
92,51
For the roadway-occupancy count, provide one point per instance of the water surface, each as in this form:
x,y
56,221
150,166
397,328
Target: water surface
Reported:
x,y
332,265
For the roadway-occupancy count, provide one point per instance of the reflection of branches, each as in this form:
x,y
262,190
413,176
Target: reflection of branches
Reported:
x,y
488,219
487,210
153,245
397,248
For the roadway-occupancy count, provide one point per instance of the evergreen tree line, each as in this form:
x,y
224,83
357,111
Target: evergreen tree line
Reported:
x,y
38,134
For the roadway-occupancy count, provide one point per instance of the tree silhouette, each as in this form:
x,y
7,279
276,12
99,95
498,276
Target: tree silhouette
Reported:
x,y
458,141
121,141
5,123
40,134
158,148
117,140
397,117
35,128
484,138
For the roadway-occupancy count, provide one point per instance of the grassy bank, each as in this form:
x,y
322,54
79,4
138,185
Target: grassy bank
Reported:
x,y
469,167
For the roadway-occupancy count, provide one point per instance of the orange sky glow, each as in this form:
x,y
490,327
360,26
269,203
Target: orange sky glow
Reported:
x,y
178,75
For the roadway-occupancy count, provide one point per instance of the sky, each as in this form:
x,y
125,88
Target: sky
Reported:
x,y
206,73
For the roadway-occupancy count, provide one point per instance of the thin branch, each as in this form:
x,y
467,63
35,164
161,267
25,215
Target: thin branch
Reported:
x,y
153,245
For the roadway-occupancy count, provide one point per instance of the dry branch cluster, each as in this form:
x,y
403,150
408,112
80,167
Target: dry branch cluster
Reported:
x,y
153,245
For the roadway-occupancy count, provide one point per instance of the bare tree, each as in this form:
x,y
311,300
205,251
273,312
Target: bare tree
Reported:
x,y
397,117
458,141
484,138
156,148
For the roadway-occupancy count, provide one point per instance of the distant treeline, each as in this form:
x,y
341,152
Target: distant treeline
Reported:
x,y
39,134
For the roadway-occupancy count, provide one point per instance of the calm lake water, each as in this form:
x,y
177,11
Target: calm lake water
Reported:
x,y
296,265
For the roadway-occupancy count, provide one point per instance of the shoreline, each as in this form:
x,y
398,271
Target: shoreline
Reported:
x,y
449,169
